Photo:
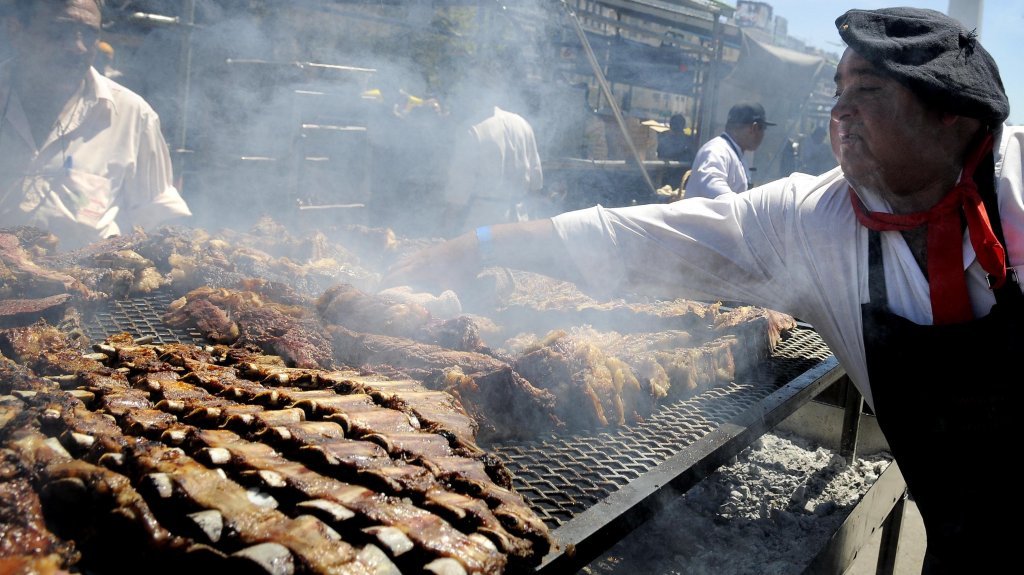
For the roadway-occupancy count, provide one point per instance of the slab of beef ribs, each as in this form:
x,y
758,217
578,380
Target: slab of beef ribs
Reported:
x,y
758,331
502,401
592,389
22,277
20,312
607,379
530,302
26,543
213,458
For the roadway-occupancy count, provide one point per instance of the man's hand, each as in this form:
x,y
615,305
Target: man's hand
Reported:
x,y
530,246
449,265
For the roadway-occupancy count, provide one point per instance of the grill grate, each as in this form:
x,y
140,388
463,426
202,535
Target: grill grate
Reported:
x,y
563,475
560,476
140,317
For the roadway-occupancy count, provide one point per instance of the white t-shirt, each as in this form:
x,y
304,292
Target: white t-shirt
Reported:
x,y
717,169
793,245
103,168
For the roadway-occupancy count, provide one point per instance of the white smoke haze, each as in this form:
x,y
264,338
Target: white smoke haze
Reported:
x,y
261,69
294,103
312,111
318,113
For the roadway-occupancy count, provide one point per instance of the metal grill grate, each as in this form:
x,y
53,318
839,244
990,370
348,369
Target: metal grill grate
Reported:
x,y
140,317
563,475
559,475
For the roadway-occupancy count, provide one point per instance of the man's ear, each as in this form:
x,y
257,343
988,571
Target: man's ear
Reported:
x,y
949,119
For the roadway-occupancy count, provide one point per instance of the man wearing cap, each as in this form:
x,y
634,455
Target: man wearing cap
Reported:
x,y
718,167
905,261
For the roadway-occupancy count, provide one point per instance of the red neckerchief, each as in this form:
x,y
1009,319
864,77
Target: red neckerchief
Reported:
x,y
946,279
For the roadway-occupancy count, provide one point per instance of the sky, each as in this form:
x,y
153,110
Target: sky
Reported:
x,y
813,21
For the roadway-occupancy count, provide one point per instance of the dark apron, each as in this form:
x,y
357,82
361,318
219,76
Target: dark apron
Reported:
x,y
946,398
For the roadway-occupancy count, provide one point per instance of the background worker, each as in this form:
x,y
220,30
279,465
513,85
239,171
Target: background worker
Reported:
x,y
905,262
675,144
495,171
718,167
80,155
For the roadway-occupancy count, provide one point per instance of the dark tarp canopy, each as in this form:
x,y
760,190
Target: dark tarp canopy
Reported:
x,y
783,81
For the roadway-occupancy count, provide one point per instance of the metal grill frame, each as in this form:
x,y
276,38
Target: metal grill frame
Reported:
x,y
593,489
594,531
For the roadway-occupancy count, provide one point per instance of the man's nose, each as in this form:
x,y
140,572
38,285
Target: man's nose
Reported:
x,y
841,109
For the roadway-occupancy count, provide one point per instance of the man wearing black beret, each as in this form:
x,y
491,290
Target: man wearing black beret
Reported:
x,y
939,390
905,259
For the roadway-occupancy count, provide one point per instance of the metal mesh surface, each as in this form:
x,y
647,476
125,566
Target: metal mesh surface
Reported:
x,y
141,317
560,476
563,475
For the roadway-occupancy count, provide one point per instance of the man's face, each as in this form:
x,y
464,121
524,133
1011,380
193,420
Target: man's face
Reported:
x,y
881,132
58,42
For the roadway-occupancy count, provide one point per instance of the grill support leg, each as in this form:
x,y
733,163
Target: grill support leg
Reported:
x,y
888,547
853,404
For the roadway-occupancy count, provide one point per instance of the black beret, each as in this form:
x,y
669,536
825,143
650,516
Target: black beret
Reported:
x,y
933,55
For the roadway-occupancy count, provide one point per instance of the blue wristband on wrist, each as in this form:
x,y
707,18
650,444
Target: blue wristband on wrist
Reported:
x,y
484,244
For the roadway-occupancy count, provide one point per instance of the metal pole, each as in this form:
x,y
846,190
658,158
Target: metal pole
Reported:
x,y
607,91
184,87
709,94
853,405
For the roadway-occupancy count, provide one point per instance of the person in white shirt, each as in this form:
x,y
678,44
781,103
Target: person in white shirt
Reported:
x,y
495,169
718,166
80,155
905,259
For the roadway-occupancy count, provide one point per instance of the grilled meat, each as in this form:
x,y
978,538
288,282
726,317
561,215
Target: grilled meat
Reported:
x,y
355,439
121,527
525,301
24,536
21,277
231,316
354,309
421,529
21,312
46,349
593,389
383,452
758,331
499,399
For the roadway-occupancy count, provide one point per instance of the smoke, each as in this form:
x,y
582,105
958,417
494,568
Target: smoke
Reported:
x,y
295,105
292,105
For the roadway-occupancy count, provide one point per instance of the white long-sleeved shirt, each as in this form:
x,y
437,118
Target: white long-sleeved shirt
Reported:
x,y
793,245
718,169
103,169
